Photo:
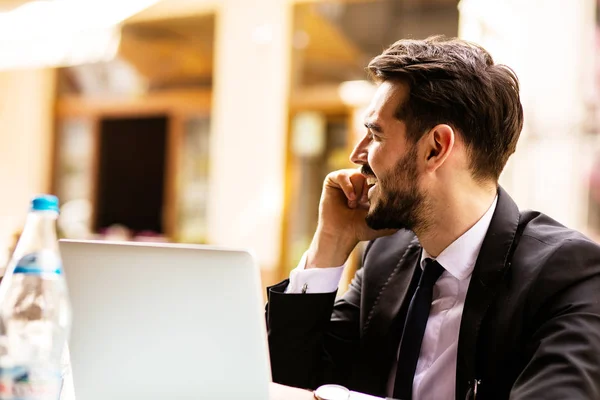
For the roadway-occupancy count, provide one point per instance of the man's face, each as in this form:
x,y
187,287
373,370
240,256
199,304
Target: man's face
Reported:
x,y
390,162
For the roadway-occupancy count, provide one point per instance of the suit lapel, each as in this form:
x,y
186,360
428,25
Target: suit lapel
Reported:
x,y
393,293
386,312
492,263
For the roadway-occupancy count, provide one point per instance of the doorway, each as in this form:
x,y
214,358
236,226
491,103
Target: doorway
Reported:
x,y
131,174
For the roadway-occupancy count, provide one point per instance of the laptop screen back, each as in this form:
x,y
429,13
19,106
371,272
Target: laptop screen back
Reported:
x,y
163,321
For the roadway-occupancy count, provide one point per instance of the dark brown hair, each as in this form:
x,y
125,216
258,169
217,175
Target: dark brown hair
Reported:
x,y
455,82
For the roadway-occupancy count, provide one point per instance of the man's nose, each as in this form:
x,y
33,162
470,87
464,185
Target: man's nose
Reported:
x,y
359,154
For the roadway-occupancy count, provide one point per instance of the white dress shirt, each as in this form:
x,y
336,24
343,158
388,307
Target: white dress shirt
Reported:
x,y
435,376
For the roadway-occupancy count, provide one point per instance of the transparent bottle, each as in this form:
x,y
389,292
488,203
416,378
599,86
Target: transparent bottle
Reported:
x,y
35,313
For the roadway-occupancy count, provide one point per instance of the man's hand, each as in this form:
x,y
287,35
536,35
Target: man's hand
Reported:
x,y
281,392
342,211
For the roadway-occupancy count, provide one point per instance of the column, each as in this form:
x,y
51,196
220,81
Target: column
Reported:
x,y
26,126
249,125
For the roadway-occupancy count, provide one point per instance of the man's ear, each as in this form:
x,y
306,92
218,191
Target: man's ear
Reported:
x,y
438,143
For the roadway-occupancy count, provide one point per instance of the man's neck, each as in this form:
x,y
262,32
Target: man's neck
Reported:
x,y
452,215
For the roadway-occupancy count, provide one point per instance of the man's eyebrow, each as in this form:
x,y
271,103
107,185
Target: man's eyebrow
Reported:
x,y
374,127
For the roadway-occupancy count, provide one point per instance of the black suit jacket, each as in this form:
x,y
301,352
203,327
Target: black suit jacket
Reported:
x,y
530,327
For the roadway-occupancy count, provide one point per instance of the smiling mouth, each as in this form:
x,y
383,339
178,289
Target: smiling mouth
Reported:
x,y
371,184
371,180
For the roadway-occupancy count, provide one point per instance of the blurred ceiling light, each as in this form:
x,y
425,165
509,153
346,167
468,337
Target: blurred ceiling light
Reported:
x,y
46,33
301,40
356,93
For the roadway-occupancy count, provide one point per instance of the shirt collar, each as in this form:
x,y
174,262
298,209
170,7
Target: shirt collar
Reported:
x,y
460,256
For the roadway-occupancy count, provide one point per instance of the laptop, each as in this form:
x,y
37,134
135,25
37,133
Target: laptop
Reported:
x,y
165,321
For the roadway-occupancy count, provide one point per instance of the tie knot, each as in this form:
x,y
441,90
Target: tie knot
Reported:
x,y
432,271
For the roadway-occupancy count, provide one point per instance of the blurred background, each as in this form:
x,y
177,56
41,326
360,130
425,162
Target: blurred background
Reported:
x,y
215,121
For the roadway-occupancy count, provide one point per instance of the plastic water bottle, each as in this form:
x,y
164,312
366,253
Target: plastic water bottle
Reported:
x,y
35,313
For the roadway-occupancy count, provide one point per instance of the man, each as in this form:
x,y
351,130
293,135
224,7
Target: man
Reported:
x,y
460,294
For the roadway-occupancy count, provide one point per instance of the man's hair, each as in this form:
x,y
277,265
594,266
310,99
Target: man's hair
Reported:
x,y
455,82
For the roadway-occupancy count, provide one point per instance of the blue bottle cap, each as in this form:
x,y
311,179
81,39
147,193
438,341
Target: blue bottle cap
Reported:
x,y
45,202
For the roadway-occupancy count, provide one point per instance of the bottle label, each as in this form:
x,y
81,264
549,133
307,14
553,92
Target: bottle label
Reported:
x,y
43,262
20,383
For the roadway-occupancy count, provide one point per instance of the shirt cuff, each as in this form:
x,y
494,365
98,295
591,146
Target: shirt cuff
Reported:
x,y
315,280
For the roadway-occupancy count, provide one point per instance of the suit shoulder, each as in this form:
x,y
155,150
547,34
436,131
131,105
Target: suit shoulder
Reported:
x,y
551,250
553,236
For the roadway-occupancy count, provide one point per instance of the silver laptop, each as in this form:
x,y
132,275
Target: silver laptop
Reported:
x,y
162,321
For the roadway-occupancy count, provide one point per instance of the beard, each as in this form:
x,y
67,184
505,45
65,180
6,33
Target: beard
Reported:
x,y
397,207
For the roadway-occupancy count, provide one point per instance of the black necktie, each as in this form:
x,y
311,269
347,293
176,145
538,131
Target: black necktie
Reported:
x,y
414,328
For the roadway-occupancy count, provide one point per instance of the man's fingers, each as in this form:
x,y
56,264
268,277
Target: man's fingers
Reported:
x,y
358,182
364,199
350,182
345,184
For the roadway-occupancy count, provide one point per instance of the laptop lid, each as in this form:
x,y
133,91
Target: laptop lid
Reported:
x,y
165,321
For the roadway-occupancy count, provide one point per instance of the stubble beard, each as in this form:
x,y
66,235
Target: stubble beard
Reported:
x,y
399,208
